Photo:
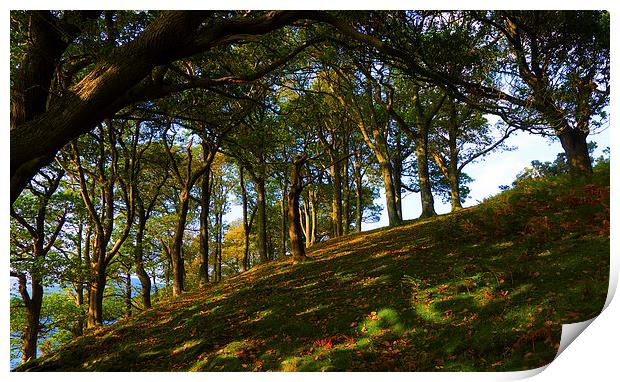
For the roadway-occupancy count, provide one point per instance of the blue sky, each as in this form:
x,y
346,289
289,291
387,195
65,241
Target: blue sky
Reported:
x,y
496,169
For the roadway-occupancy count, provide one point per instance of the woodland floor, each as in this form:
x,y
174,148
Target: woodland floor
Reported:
x,y
486,288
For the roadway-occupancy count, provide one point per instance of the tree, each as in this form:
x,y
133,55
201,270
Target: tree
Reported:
x,y
33,234
294,218
561,61
252,145
152,169
423,108
134,71
102,174
463,135
543,72
186,176
362,104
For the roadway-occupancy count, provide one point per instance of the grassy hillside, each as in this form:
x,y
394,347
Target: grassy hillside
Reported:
x,y
483,289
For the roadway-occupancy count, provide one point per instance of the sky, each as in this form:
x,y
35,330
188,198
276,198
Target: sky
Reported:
x,y
496,169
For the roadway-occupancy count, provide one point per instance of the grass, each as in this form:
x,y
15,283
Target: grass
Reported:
x,y
486,288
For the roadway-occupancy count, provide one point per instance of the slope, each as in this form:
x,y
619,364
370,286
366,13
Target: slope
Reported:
x,y
486,288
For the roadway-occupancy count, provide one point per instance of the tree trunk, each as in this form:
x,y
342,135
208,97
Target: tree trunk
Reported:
x,y
95,298
283,216
87,259
390,194
313,217
217,256
154,283
205,196
262,218
575,145
145,286
220,238
295,232
178,268
426,195
306,229
359,213
145,281
128,293
397,167
83,259
346,199
246,227
335,173
33,316
454,177
454,172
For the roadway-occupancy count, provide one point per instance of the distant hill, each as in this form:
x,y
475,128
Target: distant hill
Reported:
x,y
486,288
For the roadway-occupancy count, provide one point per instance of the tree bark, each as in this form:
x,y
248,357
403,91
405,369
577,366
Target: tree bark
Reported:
x,y
426,195
205,198
145,280
359,213
335,173
575,146
306,222
220,239
283,217
295,232
33,305
128,292
397,166
261,201
313,217
246,227
178,268
95,298
390,194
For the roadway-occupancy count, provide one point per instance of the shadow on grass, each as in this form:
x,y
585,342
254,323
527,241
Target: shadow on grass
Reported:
x,y
484,289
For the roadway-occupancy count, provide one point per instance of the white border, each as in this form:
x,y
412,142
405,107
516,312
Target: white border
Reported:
x,y
592,355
